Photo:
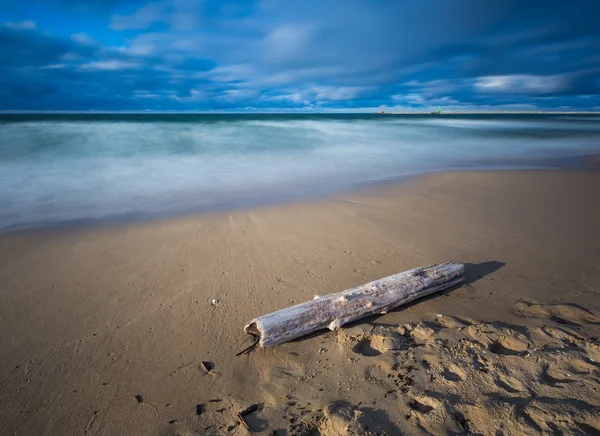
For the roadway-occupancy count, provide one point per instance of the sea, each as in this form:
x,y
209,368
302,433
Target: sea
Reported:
x,y
77,169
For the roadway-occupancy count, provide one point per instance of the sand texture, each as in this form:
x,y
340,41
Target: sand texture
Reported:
x,y
113,331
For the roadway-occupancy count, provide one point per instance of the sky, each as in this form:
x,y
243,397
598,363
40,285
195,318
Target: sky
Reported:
x,y
291,55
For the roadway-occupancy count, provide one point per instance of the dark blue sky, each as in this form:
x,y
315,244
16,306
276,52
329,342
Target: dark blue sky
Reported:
x,y
312,55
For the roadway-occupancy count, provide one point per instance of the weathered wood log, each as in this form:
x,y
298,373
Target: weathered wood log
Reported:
x,y
334,310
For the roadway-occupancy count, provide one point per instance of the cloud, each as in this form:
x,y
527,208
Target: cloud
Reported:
x,y
53,66
194,96
416,100
142,18
108,65
523,83
232,73
70,56
177,15
96,7
83,39
450,105
294,97
234,95
322,54
410,98
434,87
29,48
23,25
335,92
288,43
318,94
141,93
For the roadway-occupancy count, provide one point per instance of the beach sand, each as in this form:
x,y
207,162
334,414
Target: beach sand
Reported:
x,y
103,330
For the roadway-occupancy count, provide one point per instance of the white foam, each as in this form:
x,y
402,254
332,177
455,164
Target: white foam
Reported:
x,y
60,171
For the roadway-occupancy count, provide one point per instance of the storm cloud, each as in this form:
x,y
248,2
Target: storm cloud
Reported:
x,y
313,55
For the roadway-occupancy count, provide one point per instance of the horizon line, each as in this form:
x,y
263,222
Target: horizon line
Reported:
x,y
368,112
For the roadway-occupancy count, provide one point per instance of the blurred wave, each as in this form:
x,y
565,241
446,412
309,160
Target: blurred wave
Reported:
x,y
63,168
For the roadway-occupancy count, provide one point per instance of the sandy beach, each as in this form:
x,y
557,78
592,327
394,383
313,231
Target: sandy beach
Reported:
x,y
103,330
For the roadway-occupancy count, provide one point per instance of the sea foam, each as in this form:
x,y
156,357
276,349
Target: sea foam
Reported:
x,y
62,169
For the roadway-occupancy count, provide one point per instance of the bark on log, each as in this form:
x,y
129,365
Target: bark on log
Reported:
x,y
334,310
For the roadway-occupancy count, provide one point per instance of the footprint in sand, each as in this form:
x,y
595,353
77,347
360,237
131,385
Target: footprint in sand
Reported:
x,y
513,344
380,340
366,348
568,368
375,374
561,334
566,314
453,373
423,404
552,417
509,384
486,334
554,376
452,322
422,334
343,418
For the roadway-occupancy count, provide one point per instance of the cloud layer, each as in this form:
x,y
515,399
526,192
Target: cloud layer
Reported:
x,y
315,55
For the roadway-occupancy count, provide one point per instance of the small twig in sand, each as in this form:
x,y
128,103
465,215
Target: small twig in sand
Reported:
x,y
247,350
242,422
181,367
208,368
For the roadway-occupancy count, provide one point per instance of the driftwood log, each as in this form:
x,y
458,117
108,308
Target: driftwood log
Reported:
x,y
334,310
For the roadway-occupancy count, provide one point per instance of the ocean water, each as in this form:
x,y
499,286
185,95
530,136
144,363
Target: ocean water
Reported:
x,y
72,168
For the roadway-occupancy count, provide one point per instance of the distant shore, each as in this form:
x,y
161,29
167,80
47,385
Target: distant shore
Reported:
x,y
105,328
489,113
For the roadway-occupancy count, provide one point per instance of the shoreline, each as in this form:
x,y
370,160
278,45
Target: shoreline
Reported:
x,y
96,319
559,163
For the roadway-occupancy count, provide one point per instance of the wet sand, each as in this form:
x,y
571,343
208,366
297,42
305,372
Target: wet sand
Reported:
x,y
103,330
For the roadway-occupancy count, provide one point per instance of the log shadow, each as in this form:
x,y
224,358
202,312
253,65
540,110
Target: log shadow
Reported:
x,y
476,271
473,272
